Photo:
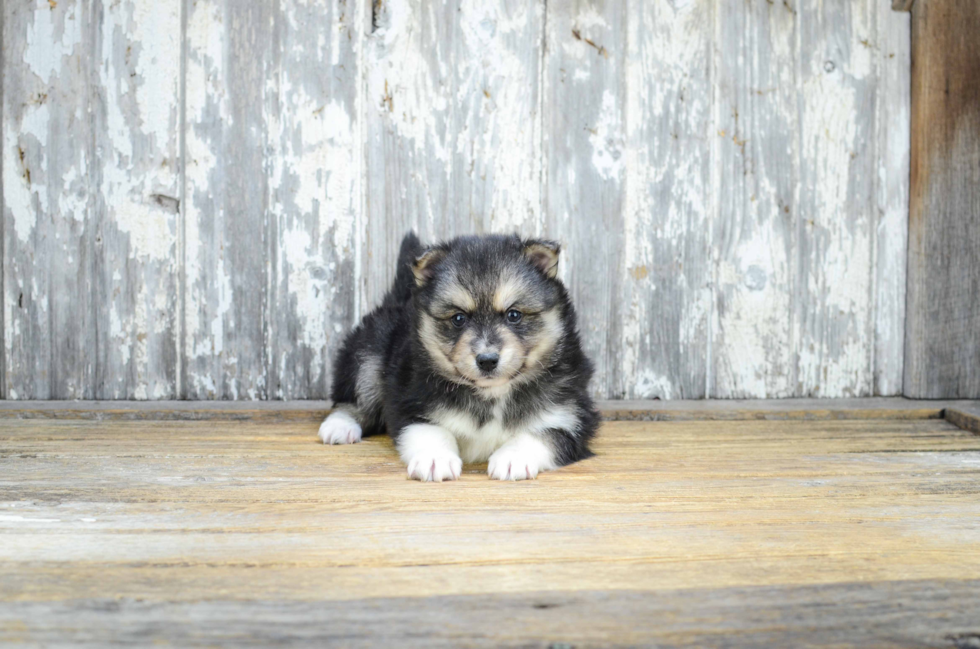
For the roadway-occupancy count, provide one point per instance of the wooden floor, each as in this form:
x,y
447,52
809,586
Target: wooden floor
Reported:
x,y
686,533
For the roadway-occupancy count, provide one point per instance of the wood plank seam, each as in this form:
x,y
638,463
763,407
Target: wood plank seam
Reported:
x,y
181,319
964,418
965,415
3,230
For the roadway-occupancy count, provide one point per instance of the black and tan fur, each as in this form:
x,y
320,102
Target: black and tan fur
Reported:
x,y
473,356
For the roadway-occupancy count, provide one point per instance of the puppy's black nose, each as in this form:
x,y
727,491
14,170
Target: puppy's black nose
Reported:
x,y
487,362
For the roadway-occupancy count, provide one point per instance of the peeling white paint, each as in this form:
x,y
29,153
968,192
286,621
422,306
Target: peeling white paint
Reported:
x,y
51,37
498,135
649,385
415,102
324,166
150,229
74,196
151,31
606,139
140,71
312,296
23,186
215,344
835,360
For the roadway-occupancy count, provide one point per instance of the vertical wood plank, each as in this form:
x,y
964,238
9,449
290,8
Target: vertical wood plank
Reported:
x,y
755,244
496,57
227,260
410,107
452,125
893,121
942,344
50,187
834,318
3,214
315,185
584,123
138,173
665,275
90,282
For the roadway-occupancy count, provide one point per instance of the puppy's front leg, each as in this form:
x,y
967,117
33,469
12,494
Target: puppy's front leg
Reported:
x,y
521,459
430,452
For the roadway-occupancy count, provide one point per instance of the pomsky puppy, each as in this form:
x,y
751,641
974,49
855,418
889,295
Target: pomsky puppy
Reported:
x,y
473,356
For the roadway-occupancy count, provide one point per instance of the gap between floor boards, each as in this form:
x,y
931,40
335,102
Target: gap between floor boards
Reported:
x,y
964,414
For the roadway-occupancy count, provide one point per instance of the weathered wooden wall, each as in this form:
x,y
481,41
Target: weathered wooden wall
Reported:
x,y
201,196
943,337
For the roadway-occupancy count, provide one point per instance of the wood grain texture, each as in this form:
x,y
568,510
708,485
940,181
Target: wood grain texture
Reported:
x,y
942,347
90,186
663,269
452,126
775,528
136,166
3,213
622,410
965,416
272,191
212,202
584,142
893,123
227,230
837,208
315,187
881,614
409,120
755,239
52,217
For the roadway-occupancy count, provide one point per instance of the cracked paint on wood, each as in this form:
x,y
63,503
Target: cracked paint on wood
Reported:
x,y
757,173
834,322
227,221
452,116
893,117
90,162
137,153
584,170
201,197
665,301
315,185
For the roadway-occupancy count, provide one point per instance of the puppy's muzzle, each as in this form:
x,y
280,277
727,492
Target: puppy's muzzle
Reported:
x,y
487,362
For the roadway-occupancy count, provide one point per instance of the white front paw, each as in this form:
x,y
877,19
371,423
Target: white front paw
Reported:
x,y
435,466
340,428
510,463
520,459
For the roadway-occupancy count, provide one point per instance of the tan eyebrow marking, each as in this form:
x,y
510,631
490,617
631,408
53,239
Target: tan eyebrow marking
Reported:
x,y
458,297
507,293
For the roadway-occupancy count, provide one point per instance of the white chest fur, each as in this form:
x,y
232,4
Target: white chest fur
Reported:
x,y
477,443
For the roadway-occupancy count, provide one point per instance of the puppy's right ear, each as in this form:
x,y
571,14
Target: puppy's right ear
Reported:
x,y
425,265
544,255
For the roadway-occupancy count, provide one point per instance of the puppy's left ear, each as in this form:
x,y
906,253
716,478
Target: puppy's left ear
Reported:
x,y
425,265
544,255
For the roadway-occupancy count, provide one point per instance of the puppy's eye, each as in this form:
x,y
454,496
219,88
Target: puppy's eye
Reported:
x,y
459,319
514,316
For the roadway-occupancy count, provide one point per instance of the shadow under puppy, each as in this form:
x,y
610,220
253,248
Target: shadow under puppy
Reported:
x,y
473,356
